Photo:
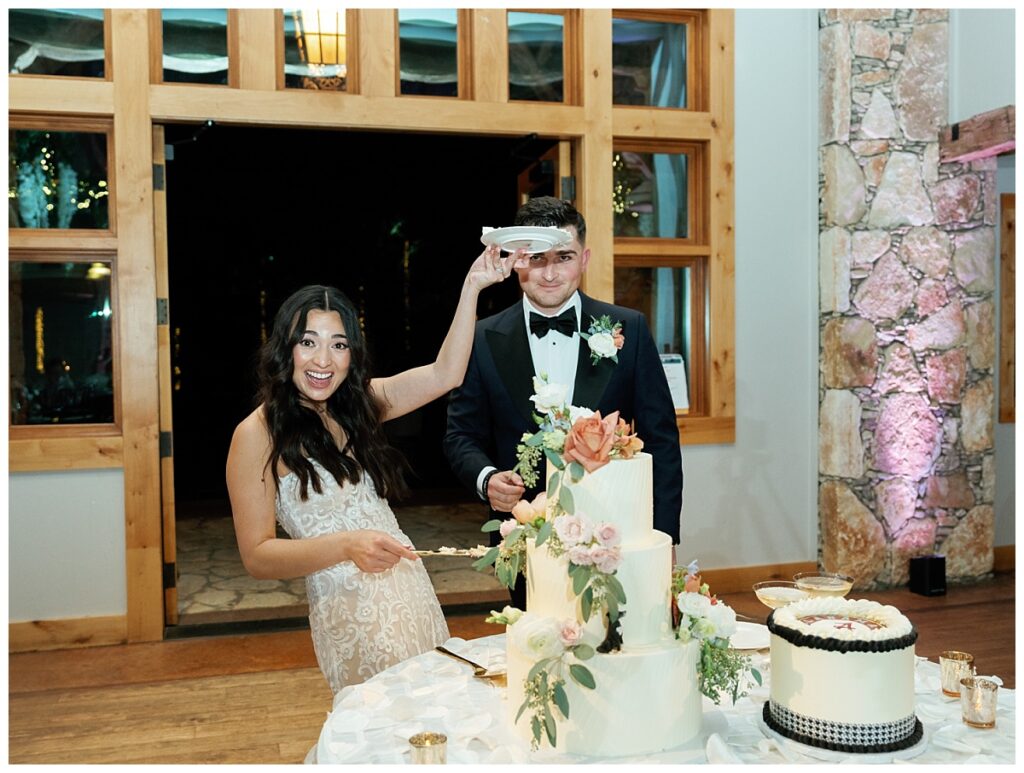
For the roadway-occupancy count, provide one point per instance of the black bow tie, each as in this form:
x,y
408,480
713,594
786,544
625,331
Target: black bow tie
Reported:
x,y
564,323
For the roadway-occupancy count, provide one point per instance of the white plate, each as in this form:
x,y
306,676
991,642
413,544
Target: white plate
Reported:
x,y
750,636
532,238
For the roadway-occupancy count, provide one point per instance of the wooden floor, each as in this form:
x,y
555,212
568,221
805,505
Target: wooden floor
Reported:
x,y
259,698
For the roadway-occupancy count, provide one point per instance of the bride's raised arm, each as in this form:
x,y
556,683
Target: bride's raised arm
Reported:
x,y
406,391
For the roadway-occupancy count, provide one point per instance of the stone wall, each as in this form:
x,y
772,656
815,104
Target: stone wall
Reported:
x,y
907,315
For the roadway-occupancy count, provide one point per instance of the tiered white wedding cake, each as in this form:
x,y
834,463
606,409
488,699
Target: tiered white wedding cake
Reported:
x,y
646,696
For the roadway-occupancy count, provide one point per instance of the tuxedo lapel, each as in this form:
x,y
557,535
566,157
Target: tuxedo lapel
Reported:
x,y
591,379
511,352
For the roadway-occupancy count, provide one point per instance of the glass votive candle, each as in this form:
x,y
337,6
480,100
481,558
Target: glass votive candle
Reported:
x,y
954,666
978,701
429,748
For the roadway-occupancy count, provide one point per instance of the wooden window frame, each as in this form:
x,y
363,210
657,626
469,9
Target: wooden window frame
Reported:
x,y
570,54
69,238
156,51
696,49
351,50
107,61
463,58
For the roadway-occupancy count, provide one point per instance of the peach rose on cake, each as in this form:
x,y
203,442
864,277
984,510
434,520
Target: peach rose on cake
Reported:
x,y
590,440
528,512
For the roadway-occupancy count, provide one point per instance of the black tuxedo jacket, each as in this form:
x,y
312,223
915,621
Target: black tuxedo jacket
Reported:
x,y
490,412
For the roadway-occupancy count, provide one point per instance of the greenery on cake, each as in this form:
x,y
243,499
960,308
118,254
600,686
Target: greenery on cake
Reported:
x,y
549,643
576,441
696,614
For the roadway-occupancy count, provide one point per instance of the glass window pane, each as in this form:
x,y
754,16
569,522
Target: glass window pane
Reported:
x,y
55,41
650,195
648,63
195,45
315,49
535,63
428,51
58,179
664,296
61,343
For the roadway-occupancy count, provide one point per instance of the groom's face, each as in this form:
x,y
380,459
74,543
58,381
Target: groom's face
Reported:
x,y
549,278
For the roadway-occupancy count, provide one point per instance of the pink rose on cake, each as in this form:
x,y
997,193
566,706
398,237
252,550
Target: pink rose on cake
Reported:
x,y
507,526
607,534
573,530
580,555
589,442
572,633
606,560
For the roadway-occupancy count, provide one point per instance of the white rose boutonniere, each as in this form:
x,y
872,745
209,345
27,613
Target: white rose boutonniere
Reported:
x,y
604,338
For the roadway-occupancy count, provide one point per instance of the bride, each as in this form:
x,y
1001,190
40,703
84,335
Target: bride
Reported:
x,y
313,456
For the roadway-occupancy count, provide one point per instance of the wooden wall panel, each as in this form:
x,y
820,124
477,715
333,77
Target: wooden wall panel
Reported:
x,y
65,453
61,634
595,156
257,49
378,53
490,54
722,354
136,292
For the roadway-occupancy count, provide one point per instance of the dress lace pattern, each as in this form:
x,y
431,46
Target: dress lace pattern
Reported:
x,y
361,623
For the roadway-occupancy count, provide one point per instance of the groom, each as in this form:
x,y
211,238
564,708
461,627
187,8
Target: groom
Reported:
x,y
490,412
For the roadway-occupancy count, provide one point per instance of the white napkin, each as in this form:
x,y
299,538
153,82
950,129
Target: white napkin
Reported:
x,y
719,753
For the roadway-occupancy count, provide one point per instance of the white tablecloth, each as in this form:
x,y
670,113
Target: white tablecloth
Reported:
x,y
372,722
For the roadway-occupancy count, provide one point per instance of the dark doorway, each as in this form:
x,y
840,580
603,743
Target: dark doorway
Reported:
x,y
391,219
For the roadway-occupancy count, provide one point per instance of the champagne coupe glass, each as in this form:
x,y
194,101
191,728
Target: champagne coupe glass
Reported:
x,y
823,583
777,593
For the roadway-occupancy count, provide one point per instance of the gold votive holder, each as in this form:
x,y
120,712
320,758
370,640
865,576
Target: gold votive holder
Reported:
x,y
429,748
954,666
978,701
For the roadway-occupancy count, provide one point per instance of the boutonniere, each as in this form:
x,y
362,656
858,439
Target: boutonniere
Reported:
x,y
604,338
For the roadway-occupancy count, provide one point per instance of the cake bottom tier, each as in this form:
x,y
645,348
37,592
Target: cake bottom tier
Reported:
x,y
866,738
645,701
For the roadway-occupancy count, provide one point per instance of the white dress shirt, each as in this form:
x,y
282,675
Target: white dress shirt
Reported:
x,y
555,356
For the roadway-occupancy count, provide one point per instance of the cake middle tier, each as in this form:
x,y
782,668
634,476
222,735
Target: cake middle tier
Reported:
x,y
645,575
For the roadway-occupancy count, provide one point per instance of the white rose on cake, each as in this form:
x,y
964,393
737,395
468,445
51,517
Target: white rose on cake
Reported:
x,y
573,530
537,637
694,605
723,619
548,397
576,413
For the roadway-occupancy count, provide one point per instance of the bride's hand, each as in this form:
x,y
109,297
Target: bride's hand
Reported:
x,y
490,268
374,551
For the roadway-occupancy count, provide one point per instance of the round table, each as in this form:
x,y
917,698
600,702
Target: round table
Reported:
x,y
372,722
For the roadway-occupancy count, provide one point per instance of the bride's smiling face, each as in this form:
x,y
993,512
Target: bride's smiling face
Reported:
x,y
321,358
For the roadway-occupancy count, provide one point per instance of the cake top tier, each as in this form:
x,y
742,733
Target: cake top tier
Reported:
x,y
842,624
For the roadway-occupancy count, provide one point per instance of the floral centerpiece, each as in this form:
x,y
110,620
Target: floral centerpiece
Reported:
x,y
696,614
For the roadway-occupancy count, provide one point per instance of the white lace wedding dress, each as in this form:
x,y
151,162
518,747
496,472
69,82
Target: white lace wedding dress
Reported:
x,y
362,623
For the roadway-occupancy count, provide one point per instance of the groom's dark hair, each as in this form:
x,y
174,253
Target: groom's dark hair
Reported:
x,y
551,212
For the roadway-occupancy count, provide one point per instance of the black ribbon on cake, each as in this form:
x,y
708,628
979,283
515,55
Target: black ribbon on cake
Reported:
x,y
798,639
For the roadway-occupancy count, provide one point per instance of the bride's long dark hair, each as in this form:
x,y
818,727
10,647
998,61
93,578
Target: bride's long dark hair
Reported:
x,y
296,430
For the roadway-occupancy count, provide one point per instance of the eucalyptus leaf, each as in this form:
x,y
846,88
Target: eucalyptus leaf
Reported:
x,y
537,669
616,588
492,525
523,708
543,533
576,471
587,603
535,725
553,482
580,580
565,500
514,570
556,460
486,559
561,700
549,726
535,439
583,651
582,676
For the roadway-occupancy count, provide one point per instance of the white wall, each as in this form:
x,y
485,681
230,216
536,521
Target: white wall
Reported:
x,y
755,502
982,48
66,545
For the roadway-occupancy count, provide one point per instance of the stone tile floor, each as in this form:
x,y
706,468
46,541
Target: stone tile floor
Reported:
x,y
213,586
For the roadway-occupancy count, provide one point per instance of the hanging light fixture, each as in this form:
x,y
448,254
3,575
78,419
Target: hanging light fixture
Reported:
x,y
321,33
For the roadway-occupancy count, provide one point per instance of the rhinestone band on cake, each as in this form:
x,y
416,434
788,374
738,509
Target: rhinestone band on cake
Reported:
x,y
839,736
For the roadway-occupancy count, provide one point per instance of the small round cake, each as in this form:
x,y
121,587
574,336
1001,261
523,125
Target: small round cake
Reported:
x,y
843,675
